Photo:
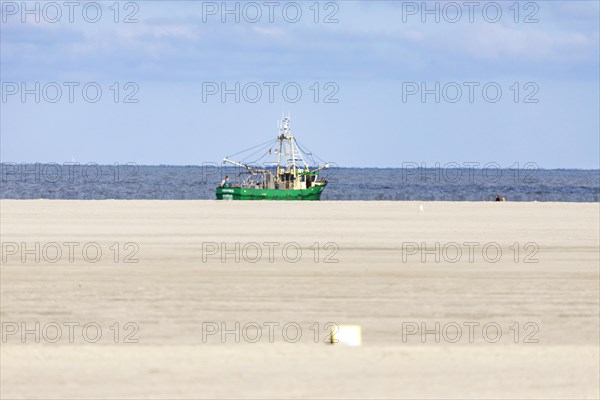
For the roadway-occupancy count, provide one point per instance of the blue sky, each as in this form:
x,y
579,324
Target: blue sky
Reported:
x,y
368,61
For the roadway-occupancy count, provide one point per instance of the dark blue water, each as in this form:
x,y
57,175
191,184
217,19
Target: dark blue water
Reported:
x,y
130,181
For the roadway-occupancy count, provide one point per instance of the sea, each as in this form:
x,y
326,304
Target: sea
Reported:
x,y
197,182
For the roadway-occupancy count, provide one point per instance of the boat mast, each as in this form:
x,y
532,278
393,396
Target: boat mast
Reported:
x,y
288,144
290,139
279,152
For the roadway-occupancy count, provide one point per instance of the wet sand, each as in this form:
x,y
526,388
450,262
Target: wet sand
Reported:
x,y
165,274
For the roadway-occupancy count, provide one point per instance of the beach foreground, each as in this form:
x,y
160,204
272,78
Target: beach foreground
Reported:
x,y
204,299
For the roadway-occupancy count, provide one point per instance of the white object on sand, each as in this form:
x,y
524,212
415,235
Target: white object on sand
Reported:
x,y
349,335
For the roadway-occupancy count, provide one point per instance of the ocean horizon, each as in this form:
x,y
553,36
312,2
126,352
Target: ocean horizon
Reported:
x,y
198,182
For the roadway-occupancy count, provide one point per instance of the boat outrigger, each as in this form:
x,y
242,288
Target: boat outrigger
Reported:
x,y
287,179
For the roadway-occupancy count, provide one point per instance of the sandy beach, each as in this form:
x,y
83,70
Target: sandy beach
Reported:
x,y
204,299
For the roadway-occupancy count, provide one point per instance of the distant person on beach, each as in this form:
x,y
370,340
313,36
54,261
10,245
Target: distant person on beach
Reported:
x,y
503,198
225,182
497,197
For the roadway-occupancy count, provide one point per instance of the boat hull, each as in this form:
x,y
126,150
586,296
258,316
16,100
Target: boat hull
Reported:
x,y
239,193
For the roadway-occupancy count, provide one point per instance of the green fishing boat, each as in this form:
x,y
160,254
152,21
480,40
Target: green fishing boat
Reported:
x,y
288,178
